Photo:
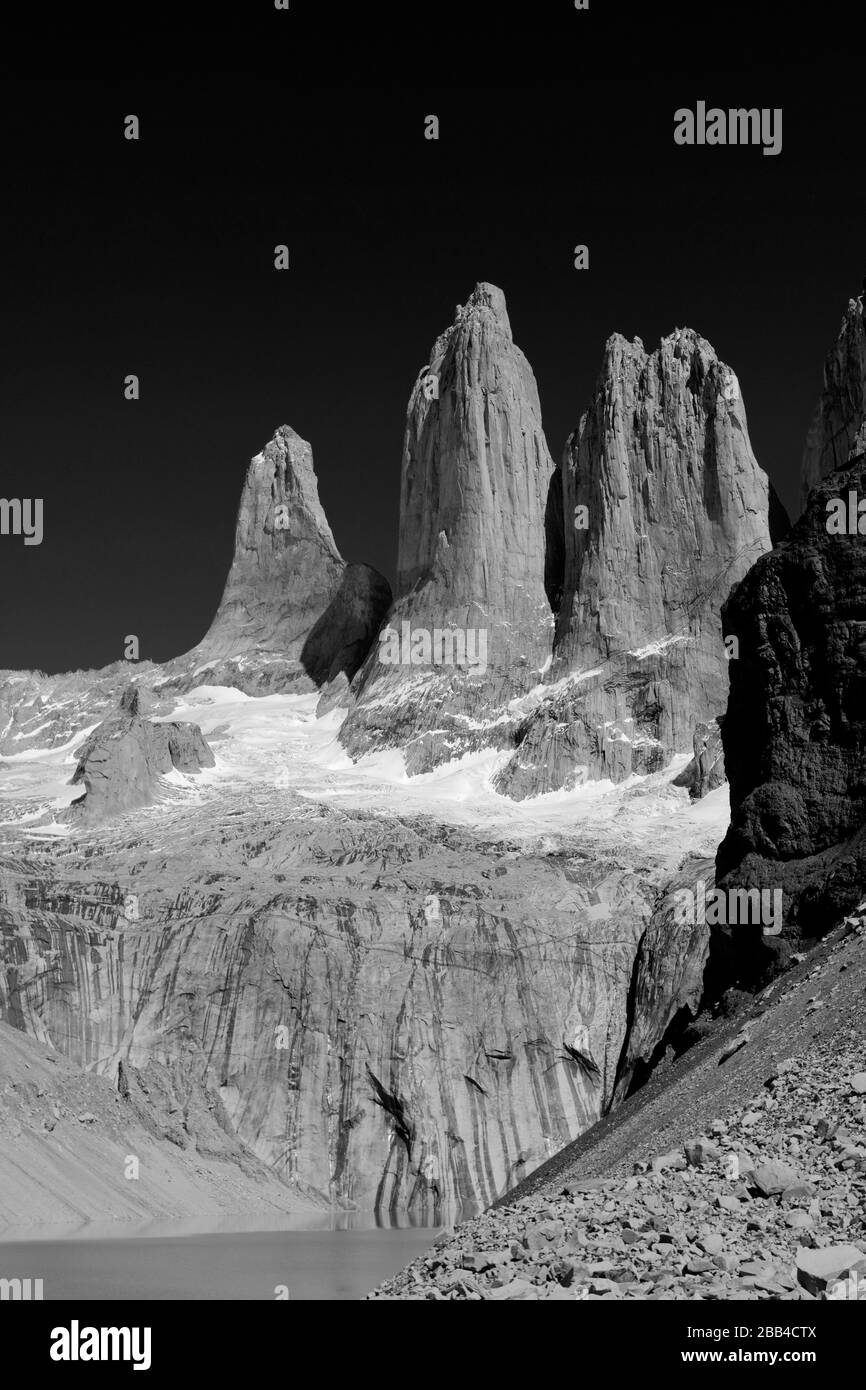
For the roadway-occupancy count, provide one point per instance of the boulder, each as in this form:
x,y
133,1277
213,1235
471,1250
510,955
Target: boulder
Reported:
x,y
816,1269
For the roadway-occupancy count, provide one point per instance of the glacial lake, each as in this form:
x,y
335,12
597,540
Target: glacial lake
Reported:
x,y
168,1260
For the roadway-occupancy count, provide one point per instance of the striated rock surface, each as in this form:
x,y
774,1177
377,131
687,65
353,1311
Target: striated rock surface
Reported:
x,y
838,431
123,760
382,1017
795,730
471,564
664,509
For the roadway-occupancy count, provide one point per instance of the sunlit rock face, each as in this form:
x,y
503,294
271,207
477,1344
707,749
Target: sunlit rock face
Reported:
x,y
664,508
290,600
471,563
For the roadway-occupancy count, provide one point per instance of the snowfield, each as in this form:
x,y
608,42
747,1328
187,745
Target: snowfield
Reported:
x,y
277,741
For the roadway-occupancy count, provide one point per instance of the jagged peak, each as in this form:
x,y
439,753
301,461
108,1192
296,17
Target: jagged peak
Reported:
x,y
680,341
487,296
684,346
286,440
485,305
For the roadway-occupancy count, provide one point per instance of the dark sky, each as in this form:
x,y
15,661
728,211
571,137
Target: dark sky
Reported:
x,y
259,128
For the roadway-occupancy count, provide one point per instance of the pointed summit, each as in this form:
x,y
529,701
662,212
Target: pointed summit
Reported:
x,y
290,600
286,567
476,471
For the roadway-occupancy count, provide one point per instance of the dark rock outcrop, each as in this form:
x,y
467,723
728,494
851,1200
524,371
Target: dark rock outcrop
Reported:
x,y
664,509
794,734
471,565
341,638
120,764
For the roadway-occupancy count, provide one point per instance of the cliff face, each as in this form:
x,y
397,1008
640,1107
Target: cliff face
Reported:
x,y
664,509
383,1013
838,431
471,562
795,731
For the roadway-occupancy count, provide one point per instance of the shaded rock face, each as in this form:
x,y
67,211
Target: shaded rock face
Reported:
x,y
664,508
290,600
838,431
122,761
475,478
706,771
341,638
795,730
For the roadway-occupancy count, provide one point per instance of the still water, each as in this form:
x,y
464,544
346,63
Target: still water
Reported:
x,y
169,1260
